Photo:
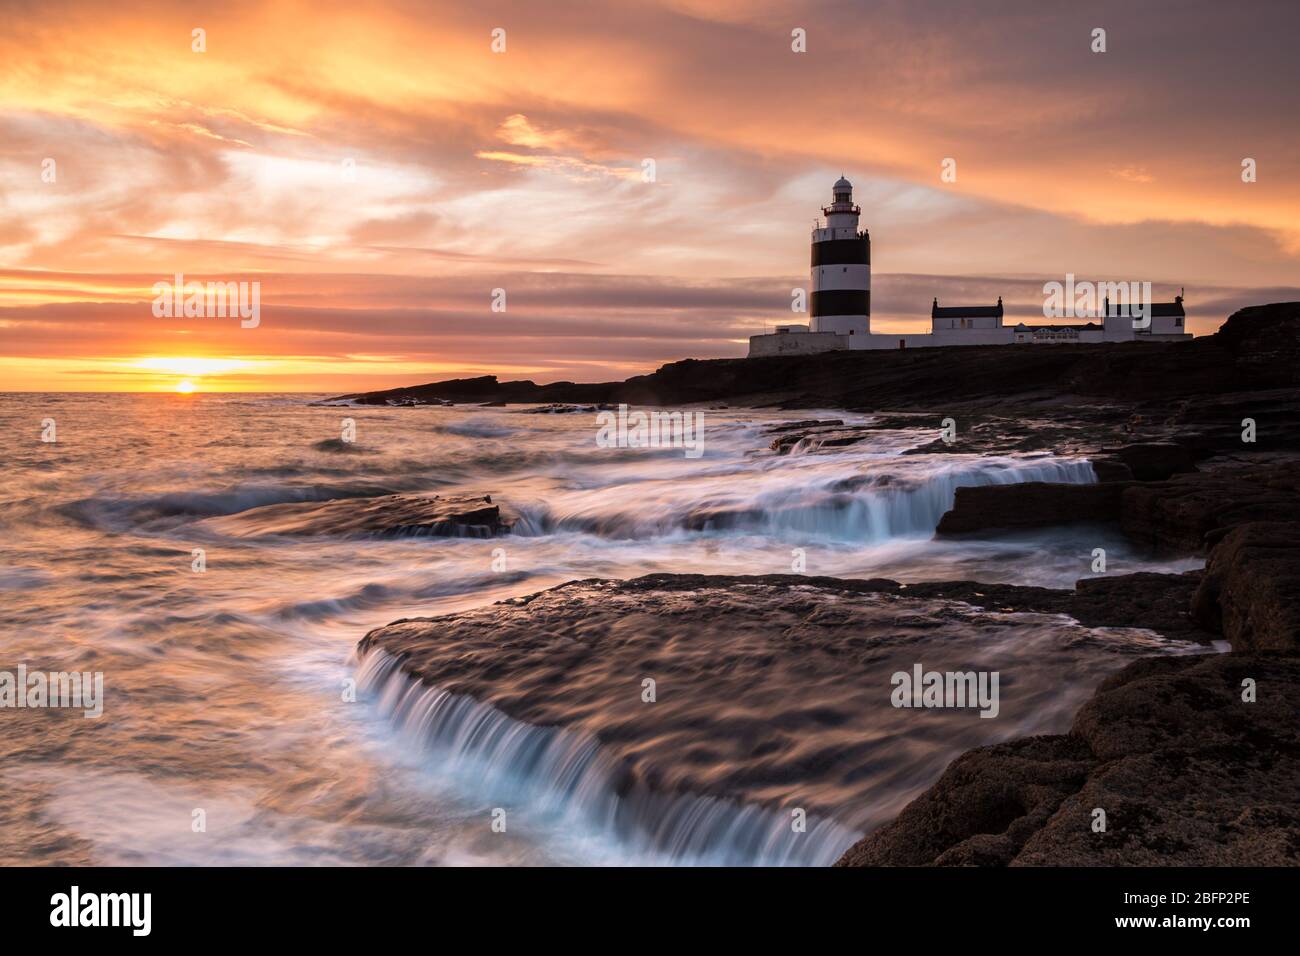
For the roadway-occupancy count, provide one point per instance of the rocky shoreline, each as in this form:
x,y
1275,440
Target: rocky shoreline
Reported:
x,y
769,692
1186,772
1195,446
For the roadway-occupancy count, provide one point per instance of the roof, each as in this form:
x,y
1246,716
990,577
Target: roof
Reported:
x,y
966,311
1158,309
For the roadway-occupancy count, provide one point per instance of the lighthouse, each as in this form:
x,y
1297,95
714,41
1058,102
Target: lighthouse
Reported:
x,y
841,305
841,268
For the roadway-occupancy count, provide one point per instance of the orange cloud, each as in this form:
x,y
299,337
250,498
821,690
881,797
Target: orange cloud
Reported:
x,y
327,142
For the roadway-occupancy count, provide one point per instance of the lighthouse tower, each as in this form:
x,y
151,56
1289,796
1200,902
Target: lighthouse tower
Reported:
x,y
841,268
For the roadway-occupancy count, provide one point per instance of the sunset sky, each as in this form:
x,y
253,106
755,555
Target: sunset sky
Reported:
x,y
380,170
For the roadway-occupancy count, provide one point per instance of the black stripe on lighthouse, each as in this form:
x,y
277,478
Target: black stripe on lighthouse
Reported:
x,y
842,252
840,302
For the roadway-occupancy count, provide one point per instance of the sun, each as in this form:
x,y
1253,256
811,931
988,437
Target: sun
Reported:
x,y
185,386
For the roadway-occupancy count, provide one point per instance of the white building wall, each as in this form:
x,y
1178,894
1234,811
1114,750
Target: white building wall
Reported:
x,y
825,341
1118,328
921,340
971,323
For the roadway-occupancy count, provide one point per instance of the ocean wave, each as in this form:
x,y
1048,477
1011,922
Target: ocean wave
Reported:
x,y
475,428
119,512
868,509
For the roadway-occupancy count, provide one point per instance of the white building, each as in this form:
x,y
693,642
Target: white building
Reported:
x,y
840,306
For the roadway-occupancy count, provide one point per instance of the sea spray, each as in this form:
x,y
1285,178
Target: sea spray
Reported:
x,y
873,507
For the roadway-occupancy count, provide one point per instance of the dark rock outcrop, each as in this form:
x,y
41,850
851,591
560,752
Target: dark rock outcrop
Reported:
x,y
1193,512
1111,469
1251,587
804,425
339,447
561,408
772,690
1160,602
1246,516
1030,504
452,516
1189,513
1185,770
819,438
1156,461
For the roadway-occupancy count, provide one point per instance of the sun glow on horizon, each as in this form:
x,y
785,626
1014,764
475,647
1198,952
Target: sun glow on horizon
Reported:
x,y
185,386
190,366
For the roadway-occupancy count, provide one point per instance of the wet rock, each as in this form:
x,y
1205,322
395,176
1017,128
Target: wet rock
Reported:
x,y
813,439
1187,514
1111,469
1160,602
1188,774
1156,461
722,519
556,408
390,515
804,425
1191,513
339,447
984,807
773,690
410,401
1251,587
1214,424
1030,504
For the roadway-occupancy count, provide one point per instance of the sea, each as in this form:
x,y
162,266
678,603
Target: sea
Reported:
x,y
239,726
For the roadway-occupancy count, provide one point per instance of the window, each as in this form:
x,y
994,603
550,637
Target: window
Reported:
x,y
1178,321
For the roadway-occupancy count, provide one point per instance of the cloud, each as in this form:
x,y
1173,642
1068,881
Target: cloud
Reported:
x,y
360,157
371,330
